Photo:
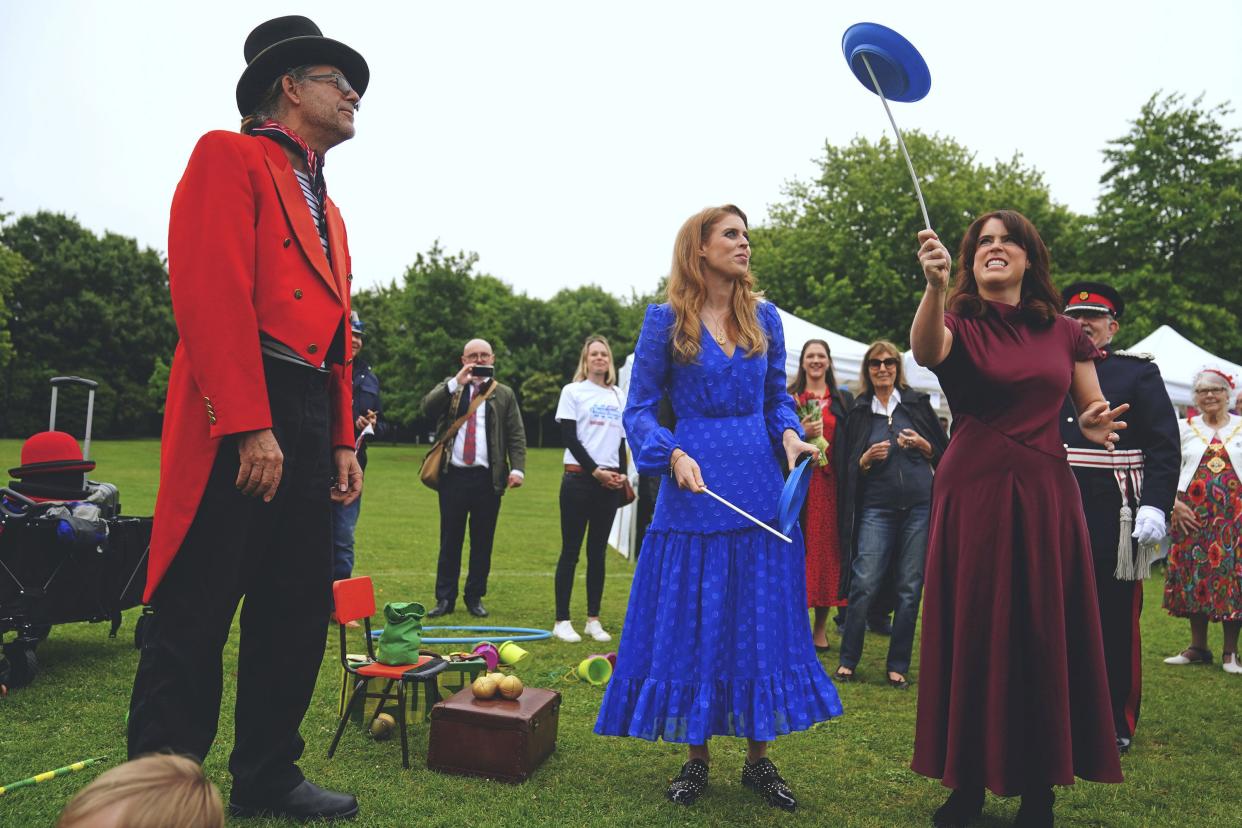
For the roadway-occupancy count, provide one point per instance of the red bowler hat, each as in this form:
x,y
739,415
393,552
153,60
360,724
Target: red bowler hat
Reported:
x,y
51,451
1092,296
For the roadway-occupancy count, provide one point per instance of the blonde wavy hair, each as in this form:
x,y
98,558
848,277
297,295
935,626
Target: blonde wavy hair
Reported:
x,y
687,290
582,372
153,791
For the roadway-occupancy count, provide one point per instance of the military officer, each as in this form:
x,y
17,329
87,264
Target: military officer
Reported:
x,y
1127,494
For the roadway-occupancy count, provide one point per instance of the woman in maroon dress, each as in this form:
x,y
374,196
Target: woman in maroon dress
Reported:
x,y
816,384
1013,691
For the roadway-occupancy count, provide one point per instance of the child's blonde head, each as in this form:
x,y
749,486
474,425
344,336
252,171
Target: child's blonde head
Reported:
x,y
157,791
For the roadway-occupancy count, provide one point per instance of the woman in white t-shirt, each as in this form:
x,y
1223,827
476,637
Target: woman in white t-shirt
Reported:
x,y
590,416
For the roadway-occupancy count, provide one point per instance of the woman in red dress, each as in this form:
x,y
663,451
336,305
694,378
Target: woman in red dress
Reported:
x,y
816,385
1013,691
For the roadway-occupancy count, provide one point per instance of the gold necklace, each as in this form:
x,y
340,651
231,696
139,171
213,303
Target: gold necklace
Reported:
x,y
1216,465
719,332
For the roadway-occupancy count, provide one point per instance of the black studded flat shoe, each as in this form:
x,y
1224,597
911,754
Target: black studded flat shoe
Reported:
x,y
963,805
689,785
762,778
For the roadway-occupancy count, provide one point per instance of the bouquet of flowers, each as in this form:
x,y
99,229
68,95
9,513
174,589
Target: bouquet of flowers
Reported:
x,y
810,410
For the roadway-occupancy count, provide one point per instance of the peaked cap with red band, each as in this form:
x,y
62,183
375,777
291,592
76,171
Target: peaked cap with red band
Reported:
x,y
51,451
1093,296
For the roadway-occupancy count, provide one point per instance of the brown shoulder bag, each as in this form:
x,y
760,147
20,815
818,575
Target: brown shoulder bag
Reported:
x,y
433,463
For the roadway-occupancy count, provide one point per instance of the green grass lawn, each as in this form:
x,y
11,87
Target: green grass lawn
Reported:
x,y
851,772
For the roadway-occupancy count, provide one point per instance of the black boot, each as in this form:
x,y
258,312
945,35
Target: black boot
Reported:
x,y
689,785
763,778
1036,809
963,805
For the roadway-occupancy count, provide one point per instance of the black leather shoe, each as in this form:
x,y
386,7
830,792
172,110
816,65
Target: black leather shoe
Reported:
x,y
441,608
476,609
689,785
305,802
963,805
1035,810
1123,745
763,778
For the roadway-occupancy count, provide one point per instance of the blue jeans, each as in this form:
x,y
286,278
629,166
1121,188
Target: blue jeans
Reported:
x,y
344,519
888,539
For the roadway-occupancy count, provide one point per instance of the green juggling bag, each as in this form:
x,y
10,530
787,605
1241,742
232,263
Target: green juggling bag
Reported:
x,y
403,633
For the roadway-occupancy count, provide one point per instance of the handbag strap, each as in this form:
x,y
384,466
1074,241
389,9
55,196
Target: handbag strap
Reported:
x,y
474,406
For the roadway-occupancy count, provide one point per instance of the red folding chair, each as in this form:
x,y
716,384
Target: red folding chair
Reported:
x,y
355,601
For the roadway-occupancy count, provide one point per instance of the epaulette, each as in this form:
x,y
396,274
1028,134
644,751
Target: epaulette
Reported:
x,y
1146,357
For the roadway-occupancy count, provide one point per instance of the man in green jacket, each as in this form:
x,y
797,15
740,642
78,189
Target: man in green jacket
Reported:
x,y
486,456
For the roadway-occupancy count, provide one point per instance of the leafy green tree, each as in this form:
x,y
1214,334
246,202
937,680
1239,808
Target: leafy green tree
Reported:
x,y
157,384
14,269
427,320
92,306
378,308
423,324
442,302
540,393
840,250
1168,231
576,313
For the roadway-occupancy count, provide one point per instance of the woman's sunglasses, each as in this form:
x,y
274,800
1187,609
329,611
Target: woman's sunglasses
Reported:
x,y
877,364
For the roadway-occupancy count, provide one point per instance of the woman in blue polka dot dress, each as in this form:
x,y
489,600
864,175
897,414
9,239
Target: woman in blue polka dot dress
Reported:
x,y
716,640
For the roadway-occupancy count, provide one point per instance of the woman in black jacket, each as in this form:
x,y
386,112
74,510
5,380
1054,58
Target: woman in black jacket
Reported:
x,y
893,440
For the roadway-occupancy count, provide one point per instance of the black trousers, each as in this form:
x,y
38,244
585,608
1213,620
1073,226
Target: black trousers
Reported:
x,y
466,495
648,492
587,508
279,556
1121,603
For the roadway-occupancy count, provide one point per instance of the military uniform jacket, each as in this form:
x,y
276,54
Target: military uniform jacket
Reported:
x,y
366,398
1151,427
244,256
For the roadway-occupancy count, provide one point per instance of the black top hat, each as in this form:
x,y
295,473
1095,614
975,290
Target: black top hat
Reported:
x,y
287,42
1093,296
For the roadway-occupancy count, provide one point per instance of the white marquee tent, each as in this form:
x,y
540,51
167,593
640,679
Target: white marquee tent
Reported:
x,y
1179,360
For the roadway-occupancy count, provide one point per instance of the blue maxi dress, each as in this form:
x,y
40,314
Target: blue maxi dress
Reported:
x,y
716,640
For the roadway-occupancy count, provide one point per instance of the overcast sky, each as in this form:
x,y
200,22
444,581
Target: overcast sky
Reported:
x,y
565,142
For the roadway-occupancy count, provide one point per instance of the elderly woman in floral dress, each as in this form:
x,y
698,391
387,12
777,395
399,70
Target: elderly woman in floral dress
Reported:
x,y
1204,578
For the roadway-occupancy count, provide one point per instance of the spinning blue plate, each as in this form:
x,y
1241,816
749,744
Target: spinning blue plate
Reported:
x,y
898,66
794,495
900,74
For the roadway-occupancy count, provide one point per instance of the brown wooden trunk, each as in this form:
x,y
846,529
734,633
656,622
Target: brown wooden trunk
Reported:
x,y
497,739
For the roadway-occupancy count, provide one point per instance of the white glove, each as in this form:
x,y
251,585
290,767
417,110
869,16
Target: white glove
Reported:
x,y
1149,525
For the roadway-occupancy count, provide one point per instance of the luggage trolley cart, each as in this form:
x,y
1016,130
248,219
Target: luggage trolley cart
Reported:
x,y
66,552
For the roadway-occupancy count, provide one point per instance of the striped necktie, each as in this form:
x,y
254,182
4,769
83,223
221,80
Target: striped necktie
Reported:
x,y
468,446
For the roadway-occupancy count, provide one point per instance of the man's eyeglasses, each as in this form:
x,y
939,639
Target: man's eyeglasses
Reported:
x,y
342,85
877,364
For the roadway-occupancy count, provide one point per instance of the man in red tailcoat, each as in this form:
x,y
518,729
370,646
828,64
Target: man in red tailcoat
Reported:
x,y
258,426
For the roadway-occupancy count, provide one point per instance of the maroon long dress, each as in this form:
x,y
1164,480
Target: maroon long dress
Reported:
x,y
1012,688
